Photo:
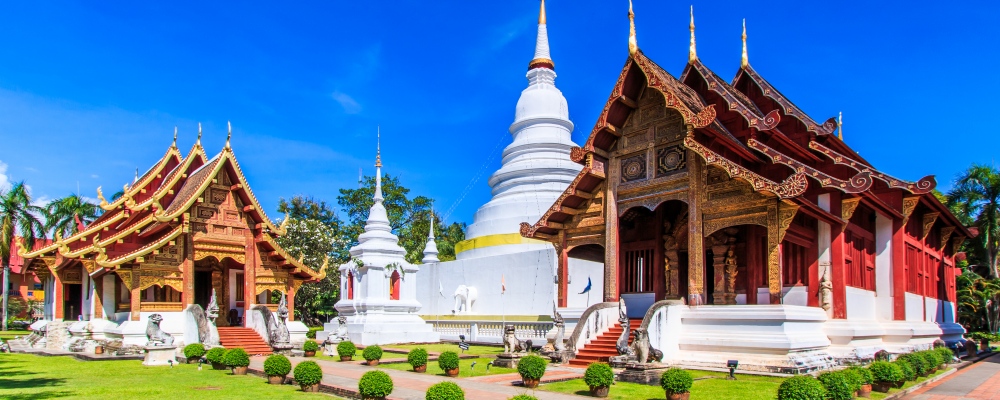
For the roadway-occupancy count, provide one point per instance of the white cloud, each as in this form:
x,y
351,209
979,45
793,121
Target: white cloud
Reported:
x,y
348,103
95,176
4,181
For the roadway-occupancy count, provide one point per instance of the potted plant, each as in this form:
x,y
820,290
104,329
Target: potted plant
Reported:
x,y
445,391
215,356
193,352
676,383
417,358
917,362
308,375
310,347
909,374
932,359
599,377
864,378
531,368
840,385
238,360
375,385
346,350
884,375
801,387
276,367
946,355
448,361
372,354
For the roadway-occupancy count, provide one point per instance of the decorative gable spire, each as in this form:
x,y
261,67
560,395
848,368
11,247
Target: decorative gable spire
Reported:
x,y
174,145
745,61
633,45
840,126
692,50
229,135
378,166
199,134
542,58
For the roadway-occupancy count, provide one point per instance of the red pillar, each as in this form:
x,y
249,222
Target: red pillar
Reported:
x,y
812,254
563,270
898,270
838,271
58,296
291,304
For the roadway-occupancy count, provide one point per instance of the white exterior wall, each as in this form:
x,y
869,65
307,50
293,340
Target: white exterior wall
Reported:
x,y
794,295
860,304
883,268
579,271
914,307
109,296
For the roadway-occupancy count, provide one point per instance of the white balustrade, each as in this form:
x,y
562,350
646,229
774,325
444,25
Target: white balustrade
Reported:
x,y
492,331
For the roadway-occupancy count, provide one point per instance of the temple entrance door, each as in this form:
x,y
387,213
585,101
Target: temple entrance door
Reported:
x,y
73,301
202,288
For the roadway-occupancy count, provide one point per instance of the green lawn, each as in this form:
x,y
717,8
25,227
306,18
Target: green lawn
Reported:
x,y
24,376
8,335
745,387
464,368
880,396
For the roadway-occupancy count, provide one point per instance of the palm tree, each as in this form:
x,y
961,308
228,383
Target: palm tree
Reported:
x,y
977,195
17,216
64,216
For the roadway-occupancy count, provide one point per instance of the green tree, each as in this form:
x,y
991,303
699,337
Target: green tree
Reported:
x,y
978,302
17,216
314,231
976,197
64,215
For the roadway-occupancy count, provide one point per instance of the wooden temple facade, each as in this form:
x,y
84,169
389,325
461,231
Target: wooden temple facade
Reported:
x,y
187,226
725,192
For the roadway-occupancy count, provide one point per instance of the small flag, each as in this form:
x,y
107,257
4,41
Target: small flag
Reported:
x,y
503,285
587,289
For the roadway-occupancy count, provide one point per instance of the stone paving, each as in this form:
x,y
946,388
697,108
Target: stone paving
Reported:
x,y
978,381
342,378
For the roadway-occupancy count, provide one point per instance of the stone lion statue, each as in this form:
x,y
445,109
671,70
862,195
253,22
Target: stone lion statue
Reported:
x,y
156,336
643,350
511,344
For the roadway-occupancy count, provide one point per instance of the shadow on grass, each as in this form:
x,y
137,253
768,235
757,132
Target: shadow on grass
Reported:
x,y
52,394
30,383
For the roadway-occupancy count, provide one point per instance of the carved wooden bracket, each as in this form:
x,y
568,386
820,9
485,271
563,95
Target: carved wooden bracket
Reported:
x,y
794,186
126,277
857,184
929,220
924,185
786,213
847,209
909,204
946,233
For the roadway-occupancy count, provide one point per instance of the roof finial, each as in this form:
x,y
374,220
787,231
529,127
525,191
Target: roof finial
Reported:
x,y
633,45
136,179
744,62
692,51
199,134
229,135
174,145
840,126
542,58
541,14
378,147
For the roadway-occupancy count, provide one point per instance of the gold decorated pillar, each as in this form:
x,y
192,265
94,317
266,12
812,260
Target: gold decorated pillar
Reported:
x,y
696,237
611,237
187,266
779,218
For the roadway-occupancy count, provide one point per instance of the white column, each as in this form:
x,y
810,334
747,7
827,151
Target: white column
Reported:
x,y
883,268
108,297
824,238
50,295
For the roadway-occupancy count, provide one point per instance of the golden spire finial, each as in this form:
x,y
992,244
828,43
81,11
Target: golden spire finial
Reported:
x,y
692,51
840,126
378,147
230,134
745,60
541,14
199,134
175,138
633,45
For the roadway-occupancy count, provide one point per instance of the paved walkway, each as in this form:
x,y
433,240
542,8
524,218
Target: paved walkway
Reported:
x,y
979,381
343,378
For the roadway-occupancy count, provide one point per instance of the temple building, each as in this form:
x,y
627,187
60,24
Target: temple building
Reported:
x,y
721,207
188,227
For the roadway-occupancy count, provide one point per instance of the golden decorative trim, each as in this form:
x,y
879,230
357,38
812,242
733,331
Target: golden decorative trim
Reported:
x,y
928,223
946,233
786,213
161,278
220,251
924,185
261,287
794,186
102,258
162,306
847,209
126,277
909,204
856,184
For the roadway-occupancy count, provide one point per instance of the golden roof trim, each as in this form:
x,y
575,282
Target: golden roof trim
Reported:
x,y
103,261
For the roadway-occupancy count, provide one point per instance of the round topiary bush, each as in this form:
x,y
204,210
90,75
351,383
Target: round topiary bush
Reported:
x,y
277,365
801,387
215,354
417,357
946,354
916,361
864,375
237,358
372,352
906,369
676,381
840,385
448,360
884,371
308,373
931,358
310,345
445,391
375,384
599,375
531,367
523,397
346,349
194,350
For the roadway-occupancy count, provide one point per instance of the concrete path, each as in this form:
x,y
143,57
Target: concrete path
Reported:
x,y
342,379
979,381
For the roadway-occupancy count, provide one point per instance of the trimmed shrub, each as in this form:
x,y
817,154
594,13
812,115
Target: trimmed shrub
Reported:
x,y
916,361
372,353
375,384
308,373
839,385
864,374
445,391
215,355
310,345
448,360
906,369
417,357
676,380
884,371
531,367
931,358
194,350
523,397
237,358
346,349
801,387
946,354
312,331
277,365
599,375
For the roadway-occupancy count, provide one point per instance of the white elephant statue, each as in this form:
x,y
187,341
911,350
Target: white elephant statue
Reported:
x,y
465,297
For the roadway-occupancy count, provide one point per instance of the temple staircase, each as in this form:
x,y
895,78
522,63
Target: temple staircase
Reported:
x,y
603,346
235,336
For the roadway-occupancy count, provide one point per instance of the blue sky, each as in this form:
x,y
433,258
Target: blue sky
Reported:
x,y
90,91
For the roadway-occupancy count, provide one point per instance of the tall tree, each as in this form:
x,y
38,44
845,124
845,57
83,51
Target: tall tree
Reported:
x,y
17,216
64,216
314,231
977,195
